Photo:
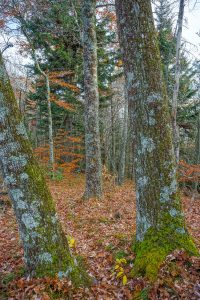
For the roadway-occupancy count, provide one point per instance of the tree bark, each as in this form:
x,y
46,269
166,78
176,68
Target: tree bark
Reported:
x,y
197,154
177,80
124,138
113,139
92,137
46,250
160,226
198,141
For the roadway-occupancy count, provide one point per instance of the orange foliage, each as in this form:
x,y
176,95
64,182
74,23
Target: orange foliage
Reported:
x,y
62,103
66,152
57,77
62,83
75,139
60,74
189,173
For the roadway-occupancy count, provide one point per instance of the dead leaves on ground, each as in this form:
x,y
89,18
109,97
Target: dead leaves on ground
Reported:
x,y
102,232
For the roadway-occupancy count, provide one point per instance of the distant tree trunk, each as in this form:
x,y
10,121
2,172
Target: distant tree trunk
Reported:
x,y
24,27
177,80
122,159
37,122
198,141
197,158
113,144
160,224
46,249
50,121
50,124
130,151
92,136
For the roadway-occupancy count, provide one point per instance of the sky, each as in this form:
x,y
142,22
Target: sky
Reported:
x,y
191,27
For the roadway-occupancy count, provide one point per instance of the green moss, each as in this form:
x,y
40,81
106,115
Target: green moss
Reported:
x,y
120,254
121,237
13,275
61,263
66,267
158,243
8,278
143,295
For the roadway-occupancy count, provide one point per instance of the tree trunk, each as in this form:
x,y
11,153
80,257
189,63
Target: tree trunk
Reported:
x,y
197,156
46,250
198,141
92,136
122,160
50,124
113,138
177,80
50,121
48,92
160,226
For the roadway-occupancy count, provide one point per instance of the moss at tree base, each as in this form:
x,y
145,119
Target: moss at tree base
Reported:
x,y
157,244
71,268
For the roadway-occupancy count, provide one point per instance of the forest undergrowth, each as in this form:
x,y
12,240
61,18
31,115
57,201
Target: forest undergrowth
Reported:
x,y
102,232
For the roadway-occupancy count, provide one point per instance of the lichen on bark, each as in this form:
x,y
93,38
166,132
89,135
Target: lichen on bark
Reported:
x,y
46,250
92,137
160,226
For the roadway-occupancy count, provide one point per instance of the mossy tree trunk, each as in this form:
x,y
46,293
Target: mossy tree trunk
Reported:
x,y
46,250
92,136
160,222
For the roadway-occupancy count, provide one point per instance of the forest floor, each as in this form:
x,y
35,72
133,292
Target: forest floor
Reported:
x,y
104,233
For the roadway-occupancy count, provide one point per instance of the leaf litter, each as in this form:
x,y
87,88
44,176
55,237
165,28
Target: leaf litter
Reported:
x,y
102,232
